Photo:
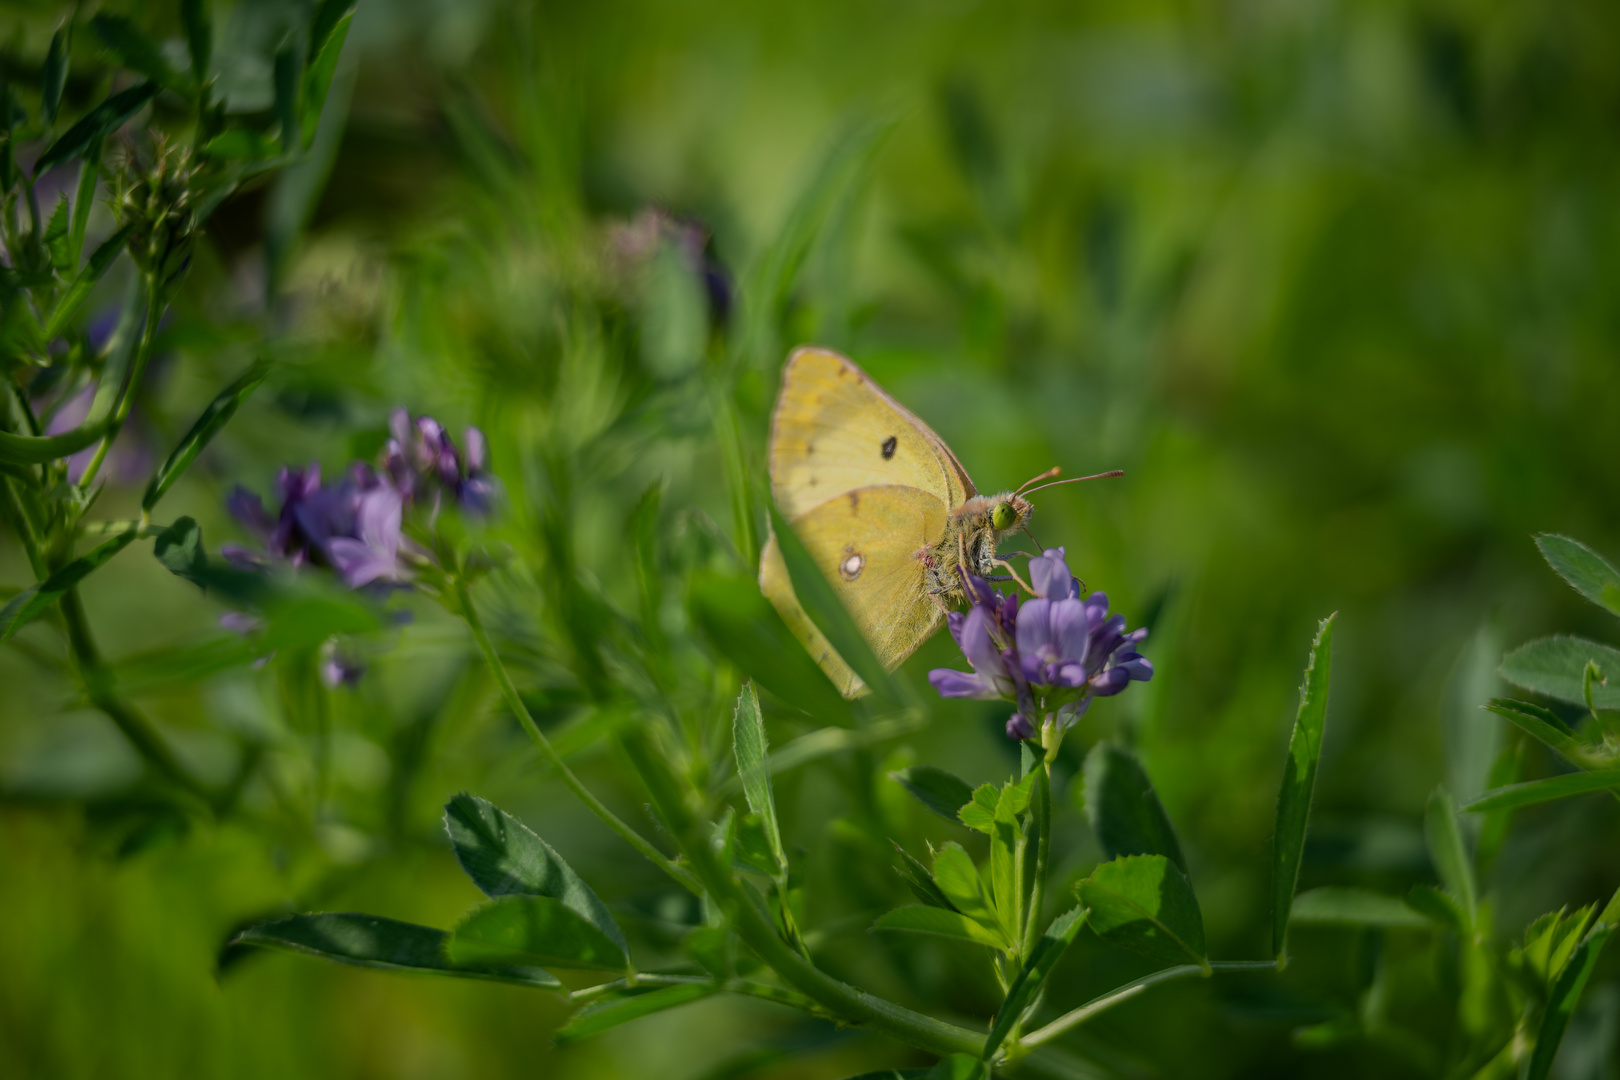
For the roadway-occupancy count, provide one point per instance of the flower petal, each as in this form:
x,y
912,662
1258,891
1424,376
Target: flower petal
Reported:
x,y
960,684
1050,577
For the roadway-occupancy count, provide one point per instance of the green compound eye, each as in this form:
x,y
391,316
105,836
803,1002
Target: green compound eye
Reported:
x,y
1003,516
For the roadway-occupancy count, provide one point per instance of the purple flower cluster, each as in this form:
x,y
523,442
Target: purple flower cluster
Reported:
x,y
354,525
1051,655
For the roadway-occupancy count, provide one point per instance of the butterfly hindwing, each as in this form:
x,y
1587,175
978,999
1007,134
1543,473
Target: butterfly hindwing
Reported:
x,y
867,543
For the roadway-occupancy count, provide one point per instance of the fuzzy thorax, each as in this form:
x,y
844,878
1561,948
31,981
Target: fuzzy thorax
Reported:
x,y
973,532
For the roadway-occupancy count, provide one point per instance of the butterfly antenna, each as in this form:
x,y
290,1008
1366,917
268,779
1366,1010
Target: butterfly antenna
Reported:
x,y
1109,475
1047,475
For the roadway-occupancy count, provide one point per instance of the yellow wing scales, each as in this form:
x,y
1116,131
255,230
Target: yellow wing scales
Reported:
x,y
866,543
867,487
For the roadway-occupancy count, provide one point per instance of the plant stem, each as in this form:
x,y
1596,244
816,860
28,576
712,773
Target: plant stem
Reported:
x,y
514,701
1107,1001
746,987
99,689
1041,812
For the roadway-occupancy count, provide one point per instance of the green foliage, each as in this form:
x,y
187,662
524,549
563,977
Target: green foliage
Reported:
x,y
1556,666
210,423
1123,808
1344,906
1299,784
1449,851
34,600
600,1016
1031,978
750,745
943,792
1143,903
533,930
1591,575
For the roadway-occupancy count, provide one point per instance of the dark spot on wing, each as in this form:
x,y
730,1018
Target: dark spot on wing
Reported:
x,y
889,446
855,502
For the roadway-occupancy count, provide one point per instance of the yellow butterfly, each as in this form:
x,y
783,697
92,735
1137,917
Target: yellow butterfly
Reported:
x,y
882,505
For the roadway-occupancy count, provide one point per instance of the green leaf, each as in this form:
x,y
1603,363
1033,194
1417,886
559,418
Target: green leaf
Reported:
x,y
1539,791
1339,906
327,34
505,858
1566,994
820,602
100,259
1593,576
1143,903
1448,849
198,19
923,919
1006,856
750,745
1556,665
56,238
533,930
752,849
628,1005
180,549
241,144
1439,907
21,609
213,418
920,881
370,941
1299,783
979,814
1032,977
54,76
746,629
133,49
1123,808
1544,724
957,878
942,792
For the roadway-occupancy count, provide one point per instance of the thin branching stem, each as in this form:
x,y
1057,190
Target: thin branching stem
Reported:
x,y
514,701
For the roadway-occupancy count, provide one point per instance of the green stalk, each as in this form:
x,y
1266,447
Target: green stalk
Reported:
x,y
99,689
514,701
1041,811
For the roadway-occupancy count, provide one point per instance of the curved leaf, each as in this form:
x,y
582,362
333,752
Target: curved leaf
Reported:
x,y
1299,783
1593,576
26,605
535,930
942,792
1032,977
1143,903
1123,808
374,942
600,1016
922,919
1539,791
505,858
213,418
750,747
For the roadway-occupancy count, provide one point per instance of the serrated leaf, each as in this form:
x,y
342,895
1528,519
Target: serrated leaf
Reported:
x,y
1143,903
504,857
958,879
132,48
180,549
751,746
54,76
1123,808
920,881
621,1008
536,930
942,792
1452,859
1556,666
827,613
23,608
923,919
1593,576
1550,789
1340,906
213,418
1032,977
1299,783
374,942
979,814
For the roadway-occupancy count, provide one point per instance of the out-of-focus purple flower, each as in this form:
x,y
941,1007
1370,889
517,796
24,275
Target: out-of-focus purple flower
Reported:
x,y
422,461
372,554
352,526
340,664
476,492
1051,655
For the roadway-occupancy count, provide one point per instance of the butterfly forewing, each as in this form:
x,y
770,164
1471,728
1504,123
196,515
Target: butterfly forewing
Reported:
x,y
835,430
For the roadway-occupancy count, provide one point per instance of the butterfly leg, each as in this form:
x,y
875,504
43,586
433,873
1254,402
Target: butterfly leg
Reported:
x,y
1012,575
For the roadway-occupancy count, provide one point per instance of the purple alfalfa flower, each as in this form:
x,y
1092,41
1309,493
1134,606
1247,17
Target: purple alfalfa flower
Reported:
x,y
476,490
370,553
423,462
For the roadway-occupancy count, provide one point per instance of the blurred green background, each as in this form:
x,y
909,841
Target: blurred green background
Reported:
x,y
1333,283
